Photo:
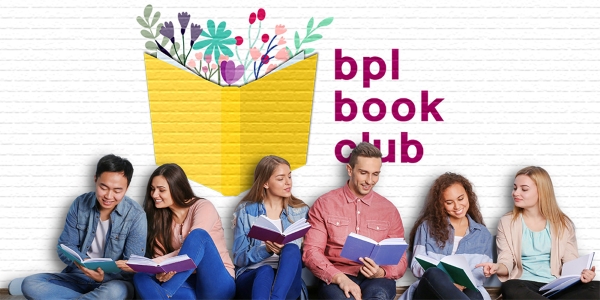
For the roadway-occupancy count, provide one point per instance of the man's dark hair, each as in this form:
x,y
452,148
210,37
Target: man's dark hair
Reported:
x,y
113,163
363,149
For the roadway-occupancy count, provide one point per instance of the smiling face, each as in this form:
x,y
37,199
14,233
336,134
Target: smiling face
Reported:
x,y
456,201
160,192
110,190
525,193
280,182
364,175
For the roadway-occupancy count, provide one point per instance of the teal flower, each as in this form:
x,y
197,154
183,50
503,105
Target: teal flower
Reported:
x,y
217,40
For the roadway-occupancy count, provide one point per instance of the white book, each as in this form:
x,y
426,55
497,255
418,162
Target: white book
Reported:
x,y
571,274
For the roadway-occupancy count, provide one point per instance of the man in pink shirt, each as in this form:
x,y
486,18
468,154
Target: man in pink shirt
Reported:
x,y
355,207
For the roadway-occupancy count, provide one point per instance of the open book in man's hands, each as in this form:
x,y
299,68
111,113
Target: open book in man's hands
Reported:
x,y
264,230
571,274
456,266
106,264
386,252
177,263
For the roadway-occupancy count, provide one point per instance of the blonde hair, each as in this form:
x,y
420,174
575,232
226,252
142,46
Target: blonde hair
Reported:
x,y
546,199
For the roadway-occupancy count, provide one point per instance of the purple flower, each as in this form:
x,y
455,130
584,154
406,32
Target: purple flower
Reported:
x,y
184,19
168,31
196,30
230,72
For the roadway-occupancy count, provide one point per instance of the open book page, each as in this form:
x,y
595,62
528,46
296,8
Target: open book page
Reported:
x,y
263,221
73,255
175,259
362,238
571,272
426,262
458,268
393,241
296,226
560,284
140,260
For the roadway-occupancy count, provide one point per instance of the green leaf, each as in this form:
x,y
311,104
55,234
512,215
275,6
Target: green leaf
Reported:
x,y
297,40
221,27
201,44
309,51
150,45
310,25
216,55
209,51
155,18
142,22
229,41
177,46
290,53
223,34
172,51
147,34
210,24
164,41
158,28
226,51
312,38
325,22
147,12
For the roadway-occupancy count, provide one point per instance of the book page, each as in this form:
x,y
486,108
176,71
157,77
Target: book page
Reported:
x,y
70,251
140,260
263,222
393,241
175,259
296,226
426,262
362,238
576,266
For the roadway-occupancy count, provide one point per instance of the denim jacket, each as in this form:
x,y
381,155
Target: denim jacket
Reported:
x,y
126,234
476,247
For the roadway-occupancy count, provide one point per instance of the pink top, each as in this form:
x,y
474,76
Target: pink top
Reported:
x,y
334,216
202,214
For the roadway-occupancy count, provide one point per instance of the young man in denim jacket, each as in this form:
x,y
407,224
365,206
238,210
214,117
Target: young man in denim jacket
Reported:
x,y
104,223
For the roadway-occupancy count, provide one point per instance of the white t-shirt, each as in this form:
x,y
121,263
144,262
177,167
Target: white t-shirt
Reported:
x,y
273,260
97,247
456,241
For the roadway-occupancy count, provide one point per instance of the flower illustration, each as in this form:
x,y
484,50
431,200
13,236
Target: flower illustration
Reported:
x,y
184,19
230,72
217,40
265,59
223,58
261,14
282,54
280,29
281,41
255,53
191,63
252,18
168,31
204,69
270,68
198,55
213,66
264,38
196,30
239,40
208,58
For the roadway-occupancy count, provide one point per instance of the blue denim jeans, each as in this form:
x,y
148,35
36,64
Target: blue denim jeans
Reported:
x,y
266,283
211,281
435,284
74,285
377,288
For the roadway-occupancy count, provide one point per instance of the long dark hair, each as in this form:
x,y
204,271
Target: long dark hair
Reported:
x,y
263,171
434,213
160,219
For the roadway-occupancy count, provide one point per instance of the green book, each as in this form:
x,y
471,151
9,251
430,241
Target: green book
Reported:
x,y
456,266
106,264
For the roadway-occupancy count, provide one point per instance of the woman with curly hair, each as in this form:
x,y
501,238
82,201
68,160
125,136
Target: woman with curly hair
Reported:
x,y
450,224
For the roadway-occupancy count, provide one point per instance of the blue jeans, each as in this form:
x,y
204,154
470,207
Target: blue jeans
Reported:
x,y
376,288
211,281
74,286
435,284
266,283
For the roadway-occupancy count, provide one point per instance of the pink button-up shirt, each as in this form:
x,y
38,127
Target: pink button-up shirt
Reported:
x,y
334,216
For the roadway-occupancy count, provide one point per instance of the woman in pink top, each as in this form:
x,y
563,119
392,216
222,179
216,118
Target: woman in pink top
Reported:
x,y
534,241
181,223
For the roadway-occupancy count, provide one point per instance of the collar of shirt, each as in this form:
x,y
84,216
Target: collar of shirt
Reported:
x,y
350,197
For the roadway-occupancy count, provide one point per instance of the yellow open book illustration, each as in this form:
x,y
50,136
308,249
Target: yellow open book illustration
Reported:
x,y
218,134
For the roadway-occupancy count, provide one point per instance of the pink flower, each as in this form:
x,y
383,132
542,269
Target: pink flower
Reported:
x,y
239,40
264,38
208,58
213,66
261,14
223,58
252,18
255,53
191,63
270,68
282,54
281,41
205,69
280,29
198,55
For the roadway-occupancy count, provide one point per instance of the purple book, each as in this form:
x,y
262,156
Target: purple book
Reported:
x,y
386,252
178,263
264,230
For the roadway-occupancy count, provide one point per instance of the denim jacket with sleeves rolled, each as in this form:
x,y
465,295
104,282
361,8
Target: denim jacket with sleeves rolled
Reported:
x,y
126,234
475,247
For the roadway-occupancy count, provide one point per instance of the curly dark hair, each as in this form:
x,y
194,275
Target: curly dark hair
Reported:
x,y
434,213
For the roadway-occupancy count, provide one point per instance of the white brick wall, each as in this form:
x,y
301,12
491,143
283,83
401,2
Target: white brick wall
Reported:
x,y
520,82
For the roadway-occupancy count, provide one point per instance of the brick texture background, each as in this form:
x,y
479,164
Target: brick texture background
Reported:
x,y
520,82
